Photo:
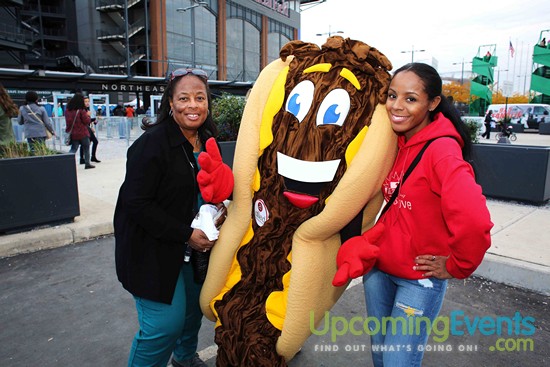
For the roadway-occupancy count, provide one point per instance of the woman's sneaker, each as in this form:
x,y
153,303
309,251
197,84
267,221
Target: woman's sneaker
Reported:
x,y
193,362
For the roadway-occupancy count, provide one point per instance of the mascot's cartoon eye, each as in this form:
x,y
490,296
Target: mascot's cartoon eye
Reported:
x,y
300,99
334,108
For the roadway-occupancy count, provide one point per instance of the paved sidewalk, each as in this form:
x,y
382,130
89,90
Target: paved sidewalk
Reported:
x,y
519,255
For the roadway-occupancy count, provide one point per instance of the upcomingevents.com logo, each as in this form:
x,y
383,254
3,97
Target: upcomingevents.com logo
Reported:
x,y
513,330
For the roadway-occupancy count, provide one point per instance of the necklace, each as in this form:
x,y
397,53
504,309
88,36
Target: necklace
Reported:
x,y
196,143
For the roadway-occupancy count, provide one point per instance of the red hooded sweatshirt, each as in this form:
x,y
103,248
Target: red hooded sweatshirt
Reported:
x,y
440,209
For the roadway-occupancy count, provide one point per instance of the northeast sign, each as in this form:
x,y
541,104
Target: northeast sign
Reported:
x,y
117,87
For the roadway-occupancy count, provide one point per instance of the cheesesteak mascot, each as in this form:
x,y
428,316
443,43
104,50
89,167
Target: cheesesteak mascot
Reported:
x,y
313,149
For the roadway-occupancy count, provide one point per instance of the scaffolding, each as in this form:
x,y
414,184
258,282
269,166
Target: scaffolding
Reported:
x,y
483,64
540,78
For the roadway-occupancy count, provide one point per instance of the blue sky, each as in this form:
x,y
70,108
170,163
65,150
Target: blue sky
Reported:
x,y
449,32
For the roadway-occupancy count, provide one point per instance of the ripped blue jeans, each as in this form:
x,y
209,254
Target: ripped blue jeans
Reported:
x,y
400,311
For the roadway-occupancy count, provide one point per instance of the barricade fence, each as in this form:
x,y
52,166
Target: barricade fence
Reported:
x,y
114,127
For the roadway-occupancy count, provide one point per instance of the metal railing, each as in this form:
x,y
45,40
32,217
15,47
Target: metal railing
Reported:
x,y
107,128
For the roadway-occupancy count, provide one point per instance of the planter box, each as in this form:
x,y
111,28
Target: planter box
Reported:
x,y
517,172
37,190
518,128
228,152
544,128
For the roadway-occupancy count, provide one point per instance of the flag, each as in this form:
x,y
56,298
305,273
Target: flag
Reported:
x,y
511,49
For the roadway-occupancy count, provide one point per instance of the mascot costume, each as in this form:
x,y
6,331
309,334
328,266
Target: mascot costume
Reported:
x,y
313,149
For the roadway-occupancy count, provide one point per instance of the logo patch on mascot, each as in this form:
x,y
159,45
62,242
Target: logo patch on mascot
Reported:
x,y
314,147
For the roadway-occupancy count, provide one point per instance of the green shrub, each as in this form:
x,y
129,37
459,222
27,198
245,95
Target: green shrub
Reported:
x,y
21,149
227,112
473,129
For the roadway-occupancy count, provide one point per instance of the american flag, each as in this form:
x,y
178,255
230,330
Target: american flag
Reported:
x,y
511,49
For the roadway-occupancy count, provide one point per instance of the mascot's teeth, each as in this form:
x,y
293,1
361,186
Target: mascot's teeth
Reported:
x,y
306,171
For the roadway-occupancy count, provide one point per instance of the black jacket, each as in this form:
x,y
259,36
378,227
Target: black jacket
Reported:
x,y
154,210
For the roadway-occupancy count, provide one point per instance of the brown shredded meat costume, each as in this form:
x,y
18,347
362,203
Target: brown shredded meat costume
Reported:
x,y
297,185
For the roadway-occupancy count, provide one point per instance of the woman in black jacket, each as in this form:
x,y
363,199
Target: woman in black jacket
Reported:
x,y
156,205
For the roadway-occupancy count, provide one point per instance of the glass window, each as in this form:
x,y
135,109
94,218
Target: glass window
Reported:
x,y
235,47
243,50
189,46
275,42
252,52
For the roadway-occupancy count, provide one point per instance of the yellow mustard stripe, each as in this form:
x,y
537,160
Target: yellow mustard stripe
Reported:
x,y
276,303
234,275
256,180
273,105
346,73
353,148
324,68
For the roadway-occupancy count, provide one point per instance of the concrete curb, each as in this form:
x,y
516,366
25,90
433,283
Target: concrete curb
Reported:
x,y
49,238
517,273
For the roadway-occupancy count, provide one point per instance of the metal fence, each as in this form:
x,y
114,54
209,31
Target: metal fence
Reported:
x,y
114,127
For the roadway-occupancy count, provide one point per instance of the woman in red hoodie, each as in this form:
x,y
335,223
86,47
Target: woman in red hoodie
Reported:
x,y
436,228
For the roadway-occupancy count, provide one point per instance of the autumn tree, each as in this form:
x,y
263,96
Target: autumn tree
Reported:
x,y
460,93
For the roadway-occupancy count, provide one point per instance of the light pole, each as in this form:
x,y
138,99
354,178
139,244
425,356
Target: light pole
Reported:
x,y
329,33
498,79
412,52
196,4
462,74
183,10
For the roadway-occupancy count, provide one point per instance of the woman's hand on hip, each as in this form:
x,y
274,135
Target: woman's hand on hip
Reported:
x,y
432,266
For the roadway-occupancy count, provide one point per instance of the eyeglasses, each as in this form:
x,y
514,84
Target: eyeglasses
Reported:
x,y
182,72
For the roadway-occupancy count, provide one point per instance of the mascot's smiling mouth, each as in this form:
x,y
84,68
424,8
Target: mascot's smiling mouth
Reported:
x,y
305,178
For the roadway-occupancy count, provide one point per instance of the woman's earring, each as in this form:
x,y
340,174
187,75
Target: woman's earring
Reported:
x,y
171,113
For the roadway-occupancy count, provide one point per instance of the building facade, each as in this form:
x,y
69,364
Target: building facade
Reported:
x,y
82,45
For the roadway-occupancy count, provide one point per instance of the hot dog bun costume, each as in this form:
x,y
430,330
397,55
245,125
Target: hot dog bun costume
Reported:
x,y
313,149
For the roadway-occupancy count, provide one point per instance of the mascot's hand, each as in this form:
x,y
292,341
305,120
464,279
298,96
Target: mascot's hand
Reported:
x,y
215,178
357,255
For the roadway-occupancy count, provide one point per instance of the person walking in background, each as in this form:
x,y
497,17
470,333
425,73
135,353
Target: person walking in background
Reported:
x,y
77,123
36,122
155,245
8,109
118,110
488,125
129,111
91,131
438,228
59,110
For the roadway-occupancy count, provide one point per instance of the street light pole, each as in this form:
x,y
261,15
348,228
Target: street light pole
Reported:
x,y
197,3
329,33
412,52
193,40
462,74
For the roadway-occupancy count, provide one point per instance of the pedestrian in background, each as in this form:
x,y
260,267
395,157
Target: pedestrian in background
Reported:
x,y
129,111
436,227
488,124
59,110
36,122
77,123
91,131
155,243
8,109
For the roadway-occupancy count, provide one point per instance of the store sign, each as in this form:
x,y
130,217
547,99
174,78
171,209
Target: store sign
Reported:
x,y
280,7
22,92
115,87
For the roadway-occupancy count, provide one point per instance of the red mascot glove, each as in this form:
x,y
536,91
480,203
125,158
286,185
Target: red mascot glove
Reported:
x,y
357,255
215,178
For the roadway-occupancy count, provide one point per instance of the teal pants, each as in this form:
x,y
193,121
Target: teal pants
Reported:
x,y
166,329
